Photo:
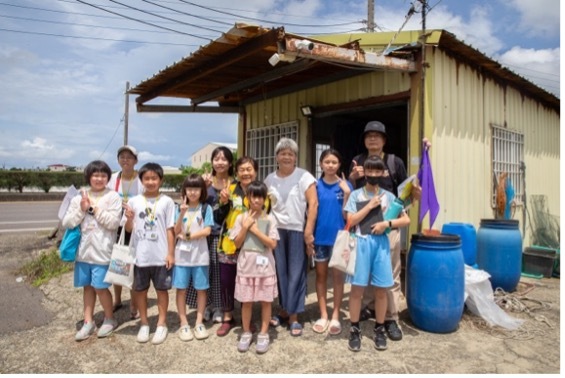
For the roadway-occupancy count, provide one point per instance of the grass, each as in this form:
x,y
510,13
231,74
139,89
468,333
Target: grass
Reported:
x,y
44,267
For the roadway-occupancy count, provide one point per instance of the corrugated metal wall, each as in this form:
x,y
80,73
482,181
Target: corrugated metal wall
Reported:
x,y
463,105
287,108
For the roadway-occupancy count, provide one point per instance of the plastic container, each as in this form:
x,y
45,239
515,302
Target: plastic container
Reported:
x,y
435,282
468,236
499,252
538,260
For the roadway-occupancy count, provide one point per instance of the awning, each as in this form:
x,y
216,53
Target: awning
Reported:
x,y
250,63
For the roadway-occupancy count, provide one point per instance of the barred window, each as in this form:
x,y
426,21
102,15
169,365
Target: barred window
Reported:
x,y
508,156
261,145
320,147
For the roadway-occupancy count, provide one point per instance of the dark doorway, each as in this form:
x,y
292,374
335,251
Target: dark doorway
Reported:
x,y
344,131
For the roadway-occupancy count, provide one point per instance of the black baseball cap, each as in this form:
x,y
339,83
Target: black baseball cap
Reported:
x,y
377,126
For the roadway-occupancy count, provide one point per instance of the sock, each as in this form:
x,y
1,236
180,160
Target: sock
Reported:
x,y
355,324
377,325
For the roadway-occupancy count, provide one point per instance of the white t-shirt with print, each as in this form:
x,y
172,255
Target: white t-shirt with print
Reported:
x,y
152,218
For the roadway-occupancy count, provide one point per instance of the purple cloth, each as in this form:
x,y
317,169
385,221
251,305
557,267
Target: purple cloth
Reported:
x,y
428,202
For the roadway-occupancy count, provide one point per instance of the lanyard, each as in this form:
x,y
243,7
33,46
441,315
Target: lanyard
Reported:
x,y
96,198
125,191
151,213
188,219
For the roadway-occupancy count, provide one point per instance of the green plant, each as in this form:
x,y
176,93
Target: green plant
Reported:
x,y
44,267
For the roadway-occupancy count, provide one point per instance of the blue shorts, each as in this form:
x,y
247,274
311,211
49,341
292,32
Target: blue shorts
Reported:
x,y
182,275
87,274
159,275
373,265
323,252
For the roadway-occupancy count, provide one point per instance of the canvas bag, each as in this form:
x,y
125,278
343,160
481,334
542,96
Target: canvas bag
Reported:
x,y
344,251
120,270
69,244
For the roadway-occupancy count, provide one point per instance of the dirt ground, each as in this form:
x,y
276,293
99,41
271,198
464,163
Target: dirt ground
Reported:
x,y
38,327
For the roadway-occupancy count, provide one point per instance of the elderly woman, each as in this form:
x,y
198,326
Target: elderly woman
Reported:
x,y
294,204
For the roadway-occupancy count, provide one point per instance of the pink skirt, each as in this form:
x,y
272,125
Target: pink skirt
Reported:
x,y
256,289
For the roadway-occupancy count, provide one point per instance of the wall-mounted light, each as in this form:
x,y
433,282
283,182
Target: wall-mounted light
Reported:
x,y
306,110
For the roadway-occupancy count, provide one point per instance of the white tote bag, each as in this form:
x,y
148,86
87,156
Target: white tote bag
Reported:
x,y
120,271
344,251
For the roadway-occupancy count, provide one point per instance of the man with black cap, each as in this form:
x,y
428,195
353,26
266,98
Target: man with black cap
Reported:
x,y
374,137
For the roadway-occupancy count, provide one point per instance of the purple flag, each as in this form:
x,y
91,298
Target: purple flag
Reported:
x,y
428,202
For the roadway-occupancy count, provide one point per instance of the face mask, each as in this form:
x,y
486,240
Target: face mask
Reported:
x,y
382,181
372,180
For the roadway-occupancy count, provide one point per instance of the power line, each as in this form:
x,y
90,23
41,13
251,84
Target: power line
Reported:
x,y
113,136
263,20
164,17
188,14
97,38
143,22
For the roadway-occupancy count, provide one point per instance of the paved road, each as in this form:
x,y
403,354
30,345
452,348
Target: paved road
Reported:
x,y
28,216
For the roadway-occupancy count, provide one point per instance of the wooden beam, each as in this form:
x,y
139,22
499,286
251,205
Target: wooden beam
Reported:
x,y
236,54
186,109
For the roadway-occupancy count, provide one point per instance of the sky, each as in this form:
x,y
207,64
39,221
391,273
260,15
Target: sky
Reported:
x,y
64,64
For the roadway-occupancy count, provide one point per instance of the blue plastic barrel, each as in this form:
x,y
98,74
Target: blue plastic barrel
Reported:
x,y
435,282
468,237
499,252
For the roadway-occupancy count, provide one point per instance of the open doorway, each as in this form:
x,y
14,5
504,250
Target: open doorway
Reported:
x,y
343,131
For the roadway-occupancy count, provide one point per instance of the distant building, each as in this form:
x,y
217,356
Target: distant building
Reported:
x,y
168,170
203,155
58,167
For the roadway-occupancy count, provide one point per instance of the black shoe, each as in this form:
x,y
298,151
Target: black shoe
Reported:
x,y
393,330
366,314
380,338
354,339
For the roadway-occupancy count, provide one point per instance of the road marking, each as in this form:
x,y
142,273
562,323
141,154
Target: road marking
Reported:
x,y
25,230
25,222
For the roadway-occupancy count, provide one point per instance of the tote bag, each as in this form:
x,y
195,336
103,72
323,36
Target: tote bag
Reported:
x,y
344,251
69,244
120,271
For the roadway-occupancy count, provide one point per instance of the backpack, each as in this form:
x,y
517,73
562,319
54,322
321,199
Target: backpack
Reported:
x,y
392,170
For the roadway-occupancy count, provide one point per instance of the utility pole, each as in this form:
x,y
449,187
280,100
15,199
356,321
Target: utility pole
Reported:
x,y
422,85
371,16
126,115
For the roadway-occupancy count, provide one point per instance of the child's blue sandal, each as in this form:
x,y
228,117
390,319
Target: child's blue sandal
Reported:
x,y
296,329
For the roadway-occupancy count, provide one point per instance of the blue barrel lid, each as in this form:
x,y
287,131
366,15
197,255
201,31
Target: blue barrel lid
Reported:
x,y
500,222
443,238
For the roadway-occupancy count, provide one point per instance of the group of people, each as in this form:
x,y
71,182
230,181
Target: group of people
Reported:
x,y
233,237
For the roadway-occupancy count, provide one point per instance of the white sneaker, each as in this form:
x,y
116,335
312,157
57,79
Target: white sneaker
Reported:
x,y
107,328
143,334
200,332
85,332
160,335
218,315
185,333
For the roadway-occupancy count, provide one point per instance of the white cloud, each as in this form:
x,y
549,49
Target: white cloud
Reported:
x,y
37,143
539,18
148,156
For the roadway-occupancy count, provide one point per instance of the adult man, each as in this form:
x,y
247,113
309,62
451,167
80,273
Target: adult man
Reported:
x,y
374,137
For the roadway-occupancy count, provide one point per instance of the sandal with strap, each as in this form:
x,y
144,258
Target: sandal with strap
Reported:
x,y
321,325
296,329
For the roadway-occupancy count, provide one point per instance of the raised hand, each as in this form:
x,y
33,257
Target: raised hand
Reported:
x,y
84,201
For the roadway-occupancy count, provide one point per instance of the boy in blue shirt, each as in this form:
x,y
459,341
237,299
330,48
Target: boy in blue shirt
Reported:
x,y
373,264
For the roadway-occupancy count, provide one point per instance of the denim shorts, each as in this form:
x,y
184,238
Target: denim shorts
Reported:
x,y
323,252
182,275
87,274
159,275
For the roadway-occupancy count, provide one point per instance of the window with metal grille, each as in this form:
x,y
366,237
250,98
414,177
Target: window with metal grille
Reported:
x,y
508,156
261,145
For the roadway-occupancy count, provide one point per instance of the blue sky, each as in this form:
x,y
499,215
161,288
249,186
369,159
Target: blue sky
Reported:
x,y
64,64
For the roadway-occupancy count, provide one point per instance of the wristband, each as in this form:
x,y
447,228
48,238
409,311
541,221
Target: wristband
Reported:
x,y
90,210
389,224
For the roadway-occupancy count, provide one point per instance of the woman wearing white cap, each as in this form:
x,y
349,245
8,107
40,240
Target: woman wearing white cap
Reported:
x,y
127,184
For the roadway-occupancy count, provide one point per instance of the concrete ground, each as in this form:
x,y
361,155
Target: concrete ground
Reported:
x,y
38,327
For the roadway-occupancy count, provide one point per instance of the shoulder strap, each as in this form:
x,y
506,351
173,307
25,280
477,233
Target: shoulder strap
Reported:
x,y
391,166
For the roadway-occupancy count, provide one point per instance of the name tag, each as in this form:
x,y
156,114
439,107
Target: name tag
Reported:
x,y
262,261
151,235
185,246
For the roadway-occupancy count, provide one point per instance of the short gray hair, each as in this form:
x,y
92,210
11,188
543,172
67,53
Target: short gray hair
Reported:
x,y
286,143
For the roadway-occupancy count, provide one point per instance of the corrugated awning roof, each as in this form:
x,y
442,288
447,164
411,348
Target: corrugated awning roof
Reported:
x,y
235,69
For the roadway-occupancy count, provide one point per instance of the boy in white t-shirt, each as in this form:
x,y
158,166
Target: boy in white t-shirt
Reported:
x,y
150,219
